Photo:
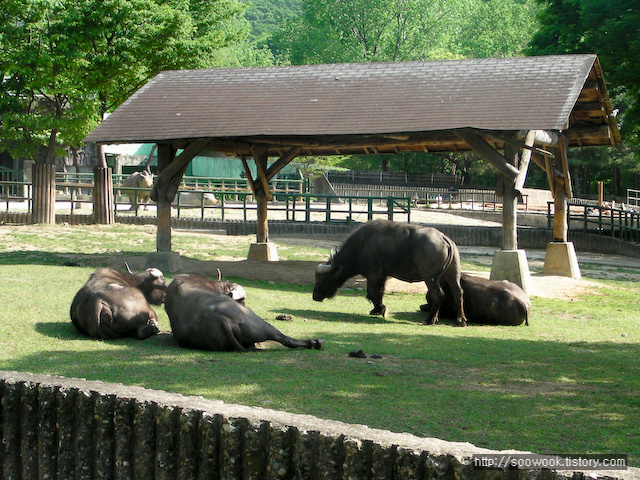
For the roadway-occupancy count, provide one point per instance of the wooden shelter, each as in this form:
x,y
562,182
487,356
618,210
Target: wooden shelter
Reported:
x,y
510,110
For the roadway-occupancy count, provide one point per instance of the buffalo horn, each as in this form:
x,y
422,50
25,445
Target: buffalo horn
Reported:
x,y
127,267
219,274
324,267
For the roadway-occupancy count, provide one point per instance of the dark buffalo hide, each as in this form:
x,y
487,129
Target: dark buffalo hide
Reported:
x,y
489,302
382,249
113,304
206,319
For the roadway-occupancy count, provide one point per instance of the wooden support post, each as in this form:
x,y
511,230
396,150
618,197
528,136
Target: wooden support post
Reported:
x,y
262,193
509,204
163,238
560,257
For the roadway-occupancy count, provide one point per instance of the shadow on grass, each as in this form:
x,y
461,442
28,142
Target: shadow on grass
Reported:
x,y
543,396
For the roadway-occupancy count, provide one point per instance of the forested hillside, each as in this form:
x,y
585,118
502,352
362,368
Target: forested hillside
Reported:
x,y
266,16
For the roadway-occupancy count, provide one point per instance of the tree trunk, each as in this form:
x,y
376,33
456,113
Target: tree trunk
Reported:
x,y
103,204
43,209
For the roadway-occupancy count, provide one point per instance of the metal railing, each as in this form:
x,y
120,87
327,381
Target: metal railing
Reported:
x,y
622,223
633,198
75,198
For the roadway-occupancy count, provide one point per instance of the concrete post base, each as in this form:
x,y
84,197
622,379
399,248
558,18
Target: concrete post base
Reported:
x,y
263,252
168,262
560,259
511,265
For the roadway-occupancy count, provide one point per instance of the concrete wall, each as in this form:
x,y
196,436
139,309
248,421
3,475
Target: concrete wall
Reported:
x,y
58,428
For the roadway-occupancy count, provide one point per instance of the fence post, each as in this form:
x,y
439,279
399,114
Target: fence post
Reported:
x,y
390,208
328,210
370,208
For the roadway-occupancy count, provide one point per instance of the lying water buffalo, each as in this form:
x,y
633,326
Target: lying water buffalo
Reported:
x,y
143,179
230,289
206,319
113,304
489,302
381,249
196,199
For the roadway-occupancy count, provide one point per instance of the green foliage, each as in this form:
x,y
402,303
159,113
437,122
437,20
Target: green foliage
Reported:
x,y
267,16
610,29
65,63
388,30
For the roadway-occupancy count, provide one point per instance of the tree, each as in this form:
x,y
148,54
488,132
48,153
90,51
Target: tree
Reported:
x,y
333,31
64,63
610,29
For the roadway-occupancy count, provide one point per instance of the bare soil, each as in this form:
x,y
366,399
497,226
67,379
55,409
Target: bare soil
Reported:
x,y
303,272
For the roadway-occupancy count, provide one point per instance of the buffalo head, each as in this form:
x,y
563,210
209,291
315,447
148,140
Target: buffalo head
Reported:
x,y
329,278
152,284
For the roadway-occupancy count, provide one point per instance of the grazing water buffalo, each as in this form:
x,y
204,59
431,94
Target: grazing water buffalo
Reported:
x,y
489,302
113,304
143,179
381,249
206,319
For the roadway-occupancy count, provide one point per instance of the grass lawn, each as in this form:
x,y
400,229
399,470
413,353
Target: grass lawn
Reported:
x,y
568,383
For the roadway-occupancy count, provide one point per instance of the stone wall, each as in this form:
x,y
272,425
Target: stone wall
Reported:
x,y
59,428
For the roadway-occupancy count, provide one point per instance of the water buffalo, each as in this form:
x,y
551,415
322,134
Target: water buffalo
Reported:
x,y
143,179
205,319
381,249
113,304
489,302
233,290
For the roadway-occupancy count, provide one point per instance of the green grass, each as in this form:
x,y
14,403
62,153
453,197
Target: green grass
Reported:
x,y
568,383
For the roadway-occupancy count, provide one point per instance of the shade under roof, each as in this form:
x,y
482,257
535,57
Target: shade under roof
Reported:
x,y
563,93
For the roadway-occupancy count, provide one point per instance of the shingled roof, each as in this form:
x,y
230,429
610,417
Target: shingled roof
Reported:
x,y
368,108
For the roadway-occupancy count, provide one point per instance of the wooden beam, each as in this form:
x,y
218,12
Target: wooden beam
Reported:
x,y
283,161
247,172
179,163
524,162
490,154
544,162
550,175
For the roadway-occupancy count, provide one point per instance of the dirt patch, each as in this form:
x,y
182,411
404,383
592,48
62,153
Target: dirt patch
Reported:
x,y
303,272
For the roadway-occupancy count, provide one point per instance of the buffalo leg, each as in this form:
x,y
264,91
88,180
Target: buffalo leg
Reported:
x,y
453,281
375,292
435,294
266,331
